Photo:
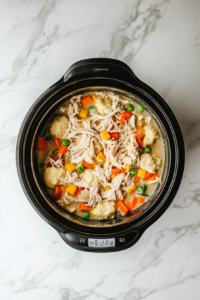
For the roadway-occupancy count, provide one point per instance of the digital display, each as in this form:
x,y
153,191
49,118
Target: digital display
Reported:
x,y
101,243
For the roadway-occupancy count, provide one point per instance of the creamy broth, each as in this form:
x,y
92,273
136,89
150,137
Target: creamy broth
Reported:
x,y
72,203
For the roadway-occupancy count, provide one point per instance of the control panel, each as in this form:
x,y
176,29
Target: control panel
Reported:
x,y
104,244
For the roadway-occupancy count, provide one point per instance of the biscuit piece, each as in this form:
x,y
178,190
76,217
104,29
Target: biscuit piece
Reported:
x,y
104,210
90,177
52,175
150,135
59,126
150,163
103,106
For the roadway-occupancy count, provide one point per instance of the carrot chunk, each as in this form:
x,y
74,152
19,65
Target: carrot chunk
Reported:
x,y
122,206
151,177
58,192
86,100
125,116
57,143
141,199
134,202
114,135
42,143
122,170
62,150
115,171
128,204
83,207
137,179
86,165
139,135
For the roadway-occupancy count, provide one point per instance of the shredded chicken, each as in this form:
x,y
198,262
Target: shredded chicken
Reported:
x,y
86,143
95,198
69,178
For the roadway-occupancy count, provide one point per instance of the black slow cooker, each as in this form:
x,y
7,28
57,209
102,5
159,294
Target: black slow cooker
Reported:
x,y
92,235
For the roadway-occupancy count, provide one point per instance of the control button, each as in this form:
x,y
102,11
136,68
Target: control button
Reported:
x,y
82,241
121,240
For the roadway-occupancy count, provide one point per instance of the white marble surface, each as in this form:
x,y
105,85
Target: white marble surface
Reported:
x,y
160,40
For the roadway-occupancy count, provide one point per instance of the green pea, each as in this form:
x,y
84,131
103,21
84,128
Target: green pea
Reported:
x,y
130,107
147,149
80,169
140,108
55,152
118,215
65,142
86,215
92,109
141,188
42,165
48,138
133,172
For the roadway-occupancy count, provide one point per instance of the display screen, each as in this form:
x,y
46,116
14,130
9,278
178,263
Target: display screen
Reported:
x,y
101,243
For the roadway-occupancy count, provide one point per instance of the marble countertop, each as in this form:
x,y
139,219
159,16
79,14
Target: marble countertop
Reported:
x,y
160,41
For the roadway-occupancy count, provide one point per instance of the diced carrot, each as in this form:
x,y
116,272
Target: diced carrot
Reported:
x,y
62,150
114,135
151,177
122,206
148,176
137,179
122,170
86,165
139,141
42,143
83,207
134,202
125,116
79,189
58,192
57,143
155,176
140,131
141,199
139,135
86,100
115,171
128,204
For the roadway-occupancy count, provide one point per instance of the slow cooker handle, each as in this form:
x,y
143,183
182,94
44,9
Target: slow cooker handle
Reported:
x,y
100,67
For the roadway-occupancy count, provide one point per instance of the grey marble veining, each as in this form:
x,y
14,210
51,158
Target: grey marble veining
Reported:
x,y
160,41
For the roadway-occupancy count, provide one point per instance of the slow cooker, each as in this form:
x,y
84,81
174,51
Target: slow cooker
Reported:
x,y
93,235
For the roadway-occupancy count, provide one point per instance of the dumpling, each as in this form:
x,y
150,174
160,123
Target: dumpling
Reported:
x,y
90,177
52,175
150,163
59,126
104,210
103,106
151,134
